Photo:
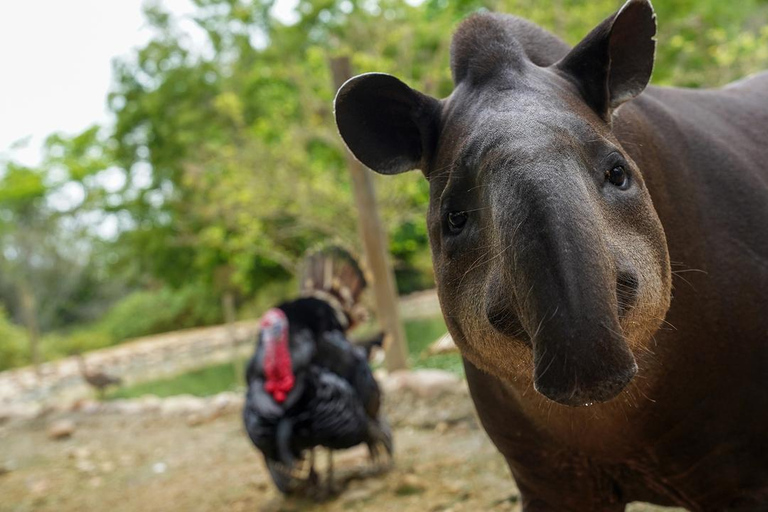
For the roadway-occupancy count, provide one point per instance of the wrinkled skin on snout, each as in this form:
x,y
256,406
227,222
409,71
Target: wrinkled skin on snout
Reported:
x,y
551,263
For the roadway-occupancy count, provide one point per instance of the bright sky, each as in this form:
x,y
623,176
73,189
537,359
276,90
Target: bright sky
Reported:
x,y
55,64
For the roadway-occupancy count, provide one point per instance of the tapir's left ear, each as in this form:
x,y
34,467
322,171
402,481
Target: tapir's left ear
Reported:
x,y
388,126
613,64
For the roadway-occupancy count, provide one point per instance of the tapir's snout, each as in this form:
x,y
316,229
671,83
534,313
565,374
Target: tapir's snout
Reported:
x,y
578,360
580,353
570,290
597,373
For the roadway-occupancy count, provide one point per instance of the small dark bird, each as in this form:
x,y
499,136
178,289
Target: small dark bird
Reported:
x,y
308,385
98,380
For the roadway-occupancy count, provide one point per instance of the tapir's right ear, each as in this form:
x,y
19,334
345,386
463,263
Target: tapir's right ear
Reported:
x,y
388,126
613,63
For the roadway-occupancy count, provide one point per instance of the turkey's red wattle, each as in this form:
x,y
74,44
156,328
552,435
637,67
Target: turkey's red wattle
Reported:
x,y
277,355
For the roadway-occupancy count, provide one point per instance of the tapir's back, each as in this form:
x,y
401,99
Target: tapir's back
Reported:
x,y
730,121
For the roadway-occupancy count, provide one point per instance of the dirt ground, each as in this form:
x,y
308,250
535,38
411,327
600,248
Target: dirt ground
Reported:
x,y
117,462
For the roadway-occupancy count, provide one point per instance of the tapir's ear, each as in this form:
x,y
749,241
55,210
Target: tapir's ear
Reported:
x,y
613,64
388,126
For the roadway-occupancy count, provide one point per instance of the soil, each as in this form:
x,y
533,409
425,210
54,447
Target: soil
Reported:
x,y
142,462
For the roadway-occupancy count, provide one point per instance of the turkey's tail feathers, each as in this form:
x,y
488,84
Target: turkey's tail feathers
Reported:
x,y
334,275
380,443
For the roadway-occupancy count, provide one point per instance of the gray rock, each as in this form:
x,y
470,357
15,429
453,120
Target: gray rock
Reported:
x,y
443,345
61,429
181,405
426,384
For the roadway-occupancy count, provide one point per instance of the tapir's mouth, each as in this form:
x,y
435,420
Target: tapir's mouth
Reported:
x,y
584,396
597,372
577,380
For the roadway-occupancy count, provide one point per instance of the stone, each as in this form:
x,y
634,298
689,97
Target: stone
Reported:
x,y
90,406
380,374
181,404
61,429
443,345
37,485
426,384
78,452
196,419
124,406
150,403
214,408
21,411
228,401
85,466
410,484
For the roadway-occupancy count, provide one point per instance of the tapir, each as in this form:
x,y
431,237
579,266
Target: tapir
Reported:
x,y
601,256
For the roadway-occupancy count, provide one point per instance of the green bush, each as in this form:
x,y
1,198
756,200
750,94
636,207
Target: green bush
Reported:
x,y
13,343
268,296
56,345
143,313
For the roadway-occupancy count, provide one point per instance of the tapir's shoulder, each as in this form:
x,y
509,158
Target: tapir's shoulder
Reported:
x,y
739,108
752,84
747,94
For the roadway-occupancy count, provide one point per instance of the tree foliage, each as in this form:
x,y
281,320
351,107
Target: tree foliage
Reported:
x,y
223,164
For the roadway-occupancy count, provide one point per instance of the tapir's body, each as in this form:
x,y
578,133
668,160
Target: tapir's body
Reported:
x,y
698,436
594,251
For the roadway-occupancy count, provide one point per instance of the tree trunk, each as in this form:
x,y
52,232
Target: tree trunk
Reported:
x,y
29,314
228,307
375,245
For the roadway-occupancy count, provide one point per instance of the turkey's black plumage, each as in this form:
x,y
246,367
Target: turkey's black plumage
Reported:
x,y
328,397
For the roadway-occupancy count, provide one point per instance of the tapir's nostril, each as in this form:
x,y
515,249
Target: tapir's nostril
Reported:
x,y
626,292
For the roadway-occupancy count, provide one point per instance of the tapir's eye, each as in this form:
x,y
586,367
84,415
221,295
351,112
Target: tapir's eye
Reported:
x,y
456,221
617,176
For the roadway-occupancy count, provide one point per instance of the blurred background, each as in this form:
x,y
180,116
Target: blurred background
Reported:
x,y
164,165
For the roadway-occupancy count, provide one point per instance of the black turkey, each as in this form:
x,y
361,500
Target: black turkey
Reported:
x,y
308,385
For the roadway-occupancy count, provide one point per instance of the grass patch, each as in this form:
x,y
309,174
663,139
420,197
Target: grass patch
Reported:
x,y
216,378
206,381
421,332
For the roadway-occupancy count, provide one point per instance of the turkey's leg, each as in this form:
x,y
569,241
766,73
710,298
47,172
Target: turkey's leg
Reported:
x,y
330,472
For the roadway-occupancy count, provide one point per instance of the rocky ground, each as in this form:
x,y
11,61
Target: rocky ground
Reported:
x,y
187,454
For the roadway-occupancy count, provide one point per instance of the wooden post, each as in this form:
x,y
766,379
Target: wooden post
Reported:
x,y
230,317
223,281
375,245
29,313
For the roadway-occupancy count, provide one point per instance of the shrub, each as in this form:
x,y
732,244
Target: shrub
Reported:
x,y
154,311
56,345
13,343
